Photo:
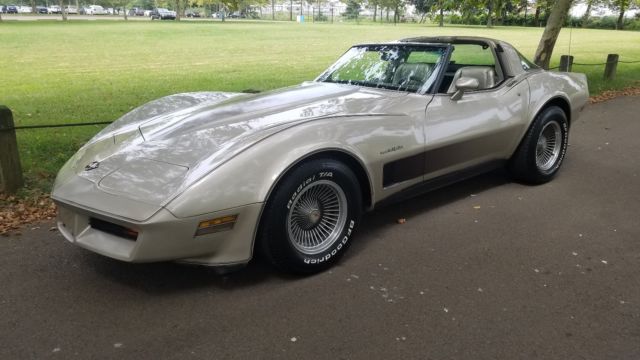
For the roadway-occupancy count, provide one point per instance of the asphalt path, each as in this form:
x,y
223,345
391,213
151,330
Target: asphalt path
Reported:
x,y
485,269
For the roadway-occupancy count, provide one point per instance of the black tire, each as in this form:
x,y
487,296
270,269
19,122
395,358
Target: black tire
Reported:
x,y
292,213
528,162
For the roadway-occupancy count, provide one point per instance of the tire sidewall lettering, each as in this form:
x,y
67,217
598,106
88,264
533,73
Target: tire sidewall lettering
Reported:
x,y
334,249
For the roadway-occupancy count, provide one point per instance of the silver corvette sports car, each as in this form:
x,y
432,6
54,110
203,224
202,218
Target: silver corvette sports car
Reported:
x,y
212,177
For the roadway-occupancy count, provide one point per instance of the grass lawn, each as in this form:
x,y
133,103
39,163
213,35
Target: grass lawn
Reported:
x,y
53,72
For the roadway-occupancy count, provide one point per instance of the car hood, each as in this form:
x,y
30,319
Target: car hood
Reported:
x,y
157,150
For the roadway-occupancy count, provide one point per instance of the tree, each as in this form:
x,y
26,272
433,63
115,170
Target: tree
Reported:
x,y
423,7
490,13
542,5
440,6
621,6
551,31
64,13
587,13
353,9
374,4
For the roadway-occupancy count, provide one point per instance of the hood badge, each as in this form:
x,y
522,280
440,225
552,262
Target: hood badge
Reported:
x,y
92,166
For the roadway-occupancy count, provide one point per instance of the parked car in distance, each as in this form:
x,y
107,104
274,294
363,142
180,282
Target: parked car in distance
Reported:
x,y
11,9
136,11
94,10
193,14
147,13
25,9
42,10
71,10
54,9
162,14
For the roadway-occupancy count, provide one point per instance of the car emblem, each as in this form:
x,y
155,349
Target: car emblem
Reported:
x,y
93,165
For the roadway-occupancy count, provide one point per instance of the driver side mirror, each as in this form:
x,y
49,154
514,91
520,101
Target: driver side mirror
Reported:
x,y
464,84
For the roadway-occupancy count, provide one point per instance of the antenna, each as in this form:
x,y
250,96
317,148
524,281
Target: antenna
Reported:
x,y
570,33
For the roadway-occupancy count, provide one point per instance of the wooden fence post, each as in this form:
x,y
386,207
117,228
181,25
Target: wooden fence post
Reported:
x,y
611,67
10,169
566,63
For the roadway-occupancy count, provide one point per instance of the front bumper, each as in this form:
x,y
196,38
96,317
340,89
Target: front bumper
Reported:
x,y
163,236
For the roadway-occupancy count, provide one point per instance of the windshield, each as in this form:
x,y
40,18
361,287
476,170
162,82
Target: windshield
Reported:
x,y
411,68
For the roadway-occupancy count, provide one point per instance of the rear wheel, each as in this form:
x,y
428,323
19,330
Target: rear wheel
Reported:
x,y
541,152
311,217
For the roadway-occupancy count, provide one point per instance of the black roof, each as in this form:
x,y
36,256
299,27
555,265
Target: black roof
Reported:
x,y
451,40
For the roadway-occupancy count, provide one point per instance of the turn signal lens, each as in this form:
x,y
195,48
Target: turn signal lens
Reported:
x,y
216,225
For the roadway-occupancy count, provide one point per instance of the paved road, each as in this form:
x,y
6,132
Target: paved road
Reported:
x,y
548,272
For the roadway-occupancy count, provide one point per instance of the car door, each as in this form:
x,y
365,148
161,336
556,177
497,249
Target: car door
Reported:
x,y
481,127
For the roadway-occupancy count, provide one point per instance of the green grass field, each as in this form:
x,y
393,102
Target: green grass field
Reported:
x,y
53,72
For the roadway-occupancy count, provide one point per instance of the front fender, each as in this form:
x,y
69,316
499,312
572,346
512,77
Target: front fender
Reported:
x,y
249,177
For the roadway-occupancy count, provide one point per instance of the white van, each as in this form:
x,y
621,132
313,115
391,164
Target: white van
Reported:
x,y
95,10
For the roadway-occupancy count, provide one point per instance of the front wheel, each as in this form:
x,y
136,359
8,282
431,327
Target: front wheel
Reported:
x,y
311,217
541,152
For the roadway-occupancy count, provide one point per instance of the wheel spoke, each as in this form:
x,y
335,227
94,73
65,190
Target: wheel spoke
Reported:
x,y
548,146
317,216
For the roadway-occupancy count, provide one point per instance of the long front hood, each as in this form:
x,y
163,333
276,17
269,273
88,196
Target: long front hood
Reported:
x,y
160,148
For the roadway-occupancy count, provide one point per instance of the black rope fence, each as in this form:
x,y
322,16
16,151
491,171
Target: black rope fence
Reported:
x,y
23,127
606,63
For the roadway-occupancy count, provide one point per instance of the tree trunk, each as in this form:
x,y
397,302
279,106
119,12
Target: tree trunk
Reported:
x,y
587,14
273,10
375,12
489,20
620,23
536,17
291,11
177,10
441,23
551,32
64,13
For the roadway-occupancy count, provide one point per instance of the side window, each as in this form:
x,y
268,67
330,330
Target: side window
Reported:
x,y
471,61
472,54
526,64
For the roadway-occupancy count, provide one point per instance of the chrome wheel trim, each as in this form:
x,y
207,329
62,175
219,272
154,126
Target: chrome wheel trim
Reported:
x,y
316,217
549,146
